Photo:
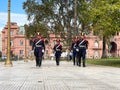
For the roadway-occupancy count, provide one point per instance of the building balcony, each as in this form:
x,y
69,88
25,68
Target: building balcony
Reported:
x,y
96,48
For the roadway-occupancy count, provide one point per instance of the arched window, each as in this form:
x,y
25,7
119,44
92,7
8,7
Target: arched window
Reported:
x,y
11,43
21,32
113,47
96,54
96,44
21,43
11,33
21,52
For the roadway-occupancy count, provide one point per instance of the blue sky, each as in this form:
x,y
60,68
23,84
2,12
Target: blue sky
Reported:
x,y
18,15
16,6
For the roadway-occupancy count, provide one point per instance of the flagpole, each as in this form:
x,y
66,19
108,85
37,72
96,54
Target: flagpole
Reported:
x,y
8,61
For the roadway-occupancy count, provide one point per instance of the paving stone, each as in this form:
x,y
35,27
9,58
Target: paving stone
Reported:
x,y
26,76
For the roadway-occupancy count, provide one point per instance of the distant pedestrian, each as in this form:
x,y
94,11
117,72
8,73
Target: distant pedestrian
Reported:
x,y
70,55
58,50
39,48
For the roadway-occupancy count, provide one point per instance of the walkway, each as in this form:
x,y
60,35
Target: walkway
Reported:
x,y
25,76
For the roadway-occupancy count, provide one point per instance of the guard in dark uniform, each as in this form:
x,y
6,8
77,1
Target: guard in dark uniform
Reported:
x,y
58,50
73,48
82,45
39,48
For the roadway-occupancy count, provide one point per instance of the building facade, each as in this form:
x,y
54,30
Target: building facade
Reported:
x,y
17,41
94,47
19,44
0,42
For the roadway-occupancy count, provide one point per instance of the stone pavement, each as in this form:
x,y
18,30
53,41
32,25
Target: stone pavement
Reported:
x,y
25,76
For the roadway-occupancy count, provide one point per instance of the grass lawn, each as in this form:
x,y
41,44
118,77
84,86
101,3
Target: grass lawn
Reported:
x,y
114,62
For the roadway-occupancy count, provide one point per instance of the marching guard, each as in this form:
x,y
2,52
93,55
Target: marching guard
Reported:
x,y
39,48
58,50
82,45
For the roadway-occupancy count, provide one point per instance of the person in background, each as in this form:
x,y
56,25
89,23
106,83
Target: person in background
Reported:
x,y
58,50
70,55
39,48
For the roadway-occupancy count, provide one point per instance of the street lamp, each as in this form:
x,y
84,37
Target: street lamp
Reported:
x,y
25,28
8,61
25,60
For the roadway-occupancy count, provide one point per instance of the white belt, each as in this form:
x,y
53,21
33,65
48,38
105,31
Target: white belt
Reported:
x,y
82,46
38,45
57,49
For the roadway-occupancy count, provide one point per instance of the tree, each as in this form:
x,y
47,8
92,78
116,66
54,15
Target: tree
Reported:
x,y
56,15
84,15
33,29
105,16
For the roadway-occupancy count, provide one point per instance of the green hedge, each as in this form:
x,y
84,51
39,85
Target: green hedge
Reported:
x,y
115,62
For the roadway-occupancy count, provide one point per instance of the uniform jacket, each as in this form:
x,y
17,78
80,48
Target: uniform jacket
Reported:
x,y
82,44
38,47
58,49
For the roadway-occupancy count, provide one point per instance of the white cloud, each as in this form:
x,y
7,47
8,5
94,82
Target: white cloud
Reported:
x,y
20,19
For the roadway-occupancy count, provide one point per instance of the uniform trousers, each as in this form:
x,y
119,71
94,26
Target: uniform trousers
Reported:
x,y
57,57
81,56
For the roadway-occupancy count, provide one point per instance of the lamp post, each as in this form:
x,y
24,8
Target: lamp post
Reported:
x,y
8,61
75,18
25,60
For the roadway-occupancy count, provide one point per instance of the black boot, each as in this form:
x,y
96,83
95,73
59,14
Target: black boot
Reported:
x,y
37,61
84,64
40,61
57,62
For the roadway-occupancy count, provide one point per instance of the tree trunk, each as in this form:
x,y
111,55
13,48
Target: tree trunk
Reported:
x,y
75,18
104,48
69,36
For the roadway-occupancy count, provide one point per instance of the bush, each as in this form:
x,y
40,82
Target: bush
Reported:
x,y
106,62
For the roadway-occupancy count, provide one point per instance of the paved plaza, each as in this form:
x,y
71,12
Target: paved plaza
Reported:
x,y
26,76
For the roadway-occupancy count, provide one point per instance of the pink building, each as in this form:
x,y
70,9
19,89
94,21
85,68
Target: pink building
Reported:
x,y
17,41
18,44
94,47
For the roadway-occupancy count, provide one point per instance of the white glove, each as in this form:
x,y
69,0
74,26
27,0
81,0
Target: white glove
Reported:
x,y
77,49
43,50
